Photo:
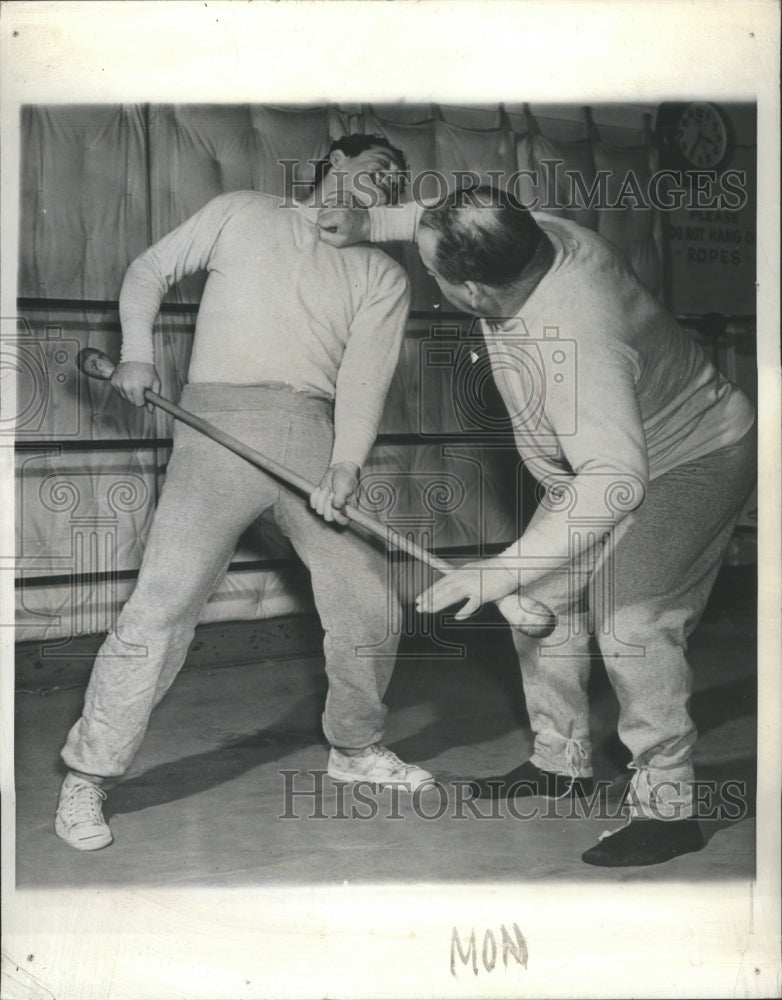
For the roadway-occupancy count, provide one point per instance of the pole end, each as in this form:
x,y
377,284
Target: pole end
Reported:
x,y
528,616
95,364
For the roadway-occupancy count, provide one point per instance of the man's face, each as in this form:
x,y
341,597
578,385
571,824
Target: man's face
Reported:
x,y
458,295
371,178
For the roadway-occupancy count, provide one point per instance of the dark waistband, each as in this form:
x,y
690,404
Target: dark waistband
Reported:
x,y
264,396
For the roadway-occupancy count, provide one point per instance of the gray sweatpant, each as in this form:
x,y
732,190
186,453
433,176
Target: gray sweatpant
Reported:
x,y
210,497
644,595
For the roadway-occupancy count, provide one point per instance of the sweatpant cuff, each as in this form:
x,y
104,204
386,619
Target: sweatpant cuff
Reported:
x,y
574,759
661,793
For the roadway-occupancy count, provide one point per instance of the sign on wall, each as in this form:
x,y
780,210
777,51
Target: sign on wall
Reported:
x,y
712,249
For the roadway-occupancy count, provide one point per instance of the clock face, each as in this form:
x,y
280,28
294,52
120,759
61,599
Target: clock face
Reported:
x,y
702,135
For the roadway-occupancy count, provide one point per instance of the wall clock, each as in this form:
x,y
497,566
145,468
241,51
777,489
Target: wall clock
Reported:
x,y
693,136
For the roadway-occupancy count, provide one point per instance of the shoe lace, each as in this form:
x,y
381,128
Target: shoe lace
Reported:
x,y
575,752
385,754
85,802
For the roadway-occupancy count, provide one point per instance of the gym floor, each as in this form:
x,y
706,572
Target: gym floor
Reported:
x,y
208,802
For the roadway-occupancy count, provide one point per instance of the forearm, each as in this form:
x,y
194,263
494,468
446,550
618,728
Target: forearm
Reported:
x,y
602,471
575,516
395,223
139,303
368,364
356,421
361,389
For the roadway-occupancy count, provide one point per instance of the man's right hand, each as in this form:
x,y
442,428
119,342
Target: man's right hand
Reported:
x,y
132,378
342,227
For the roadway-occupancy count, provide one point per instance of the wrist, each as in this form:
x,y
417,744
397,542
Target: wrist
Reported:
x,y
337,460
508,567
137,356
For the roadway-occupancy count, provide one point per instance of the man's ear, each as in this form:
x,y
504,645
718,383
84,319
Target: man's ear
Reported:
x,y
337,158
474,291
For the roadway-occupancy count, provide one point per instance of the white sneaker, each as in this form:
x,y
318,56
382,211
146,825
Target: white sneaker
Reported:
x,y
79,821
377,765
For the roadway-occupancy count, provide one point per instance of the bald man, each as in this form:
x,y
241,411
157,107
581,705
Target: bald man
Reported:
x,y
645,455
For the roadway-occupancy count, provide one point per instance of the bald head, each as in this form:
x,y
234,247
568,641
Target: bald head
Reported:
x,y
483,235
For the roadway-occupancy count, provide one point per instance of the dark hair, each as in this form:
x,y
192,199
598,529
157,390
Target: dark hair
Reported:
x,y
353,145
484,235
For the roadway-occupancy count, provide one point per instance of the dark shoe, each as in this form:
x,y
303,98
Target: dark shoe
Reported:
x,y
527,780
646,842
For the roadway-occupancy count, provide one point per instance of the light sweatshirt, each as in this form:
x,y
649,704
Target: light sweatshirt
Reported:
x,y
279,306
605,390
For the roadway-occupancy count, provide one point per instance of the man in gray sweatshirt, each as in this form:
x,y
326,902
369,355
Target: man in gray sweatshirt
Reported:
x,y
645,455
295,346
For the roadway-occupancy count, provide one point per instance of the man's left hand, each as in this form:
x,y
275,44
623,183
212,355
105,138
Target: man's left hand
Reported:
x,y
334,491
478,583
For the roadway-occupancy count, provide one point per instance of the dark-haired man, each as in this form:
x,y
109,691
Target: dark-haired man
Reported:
x,y
295,346
645,456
